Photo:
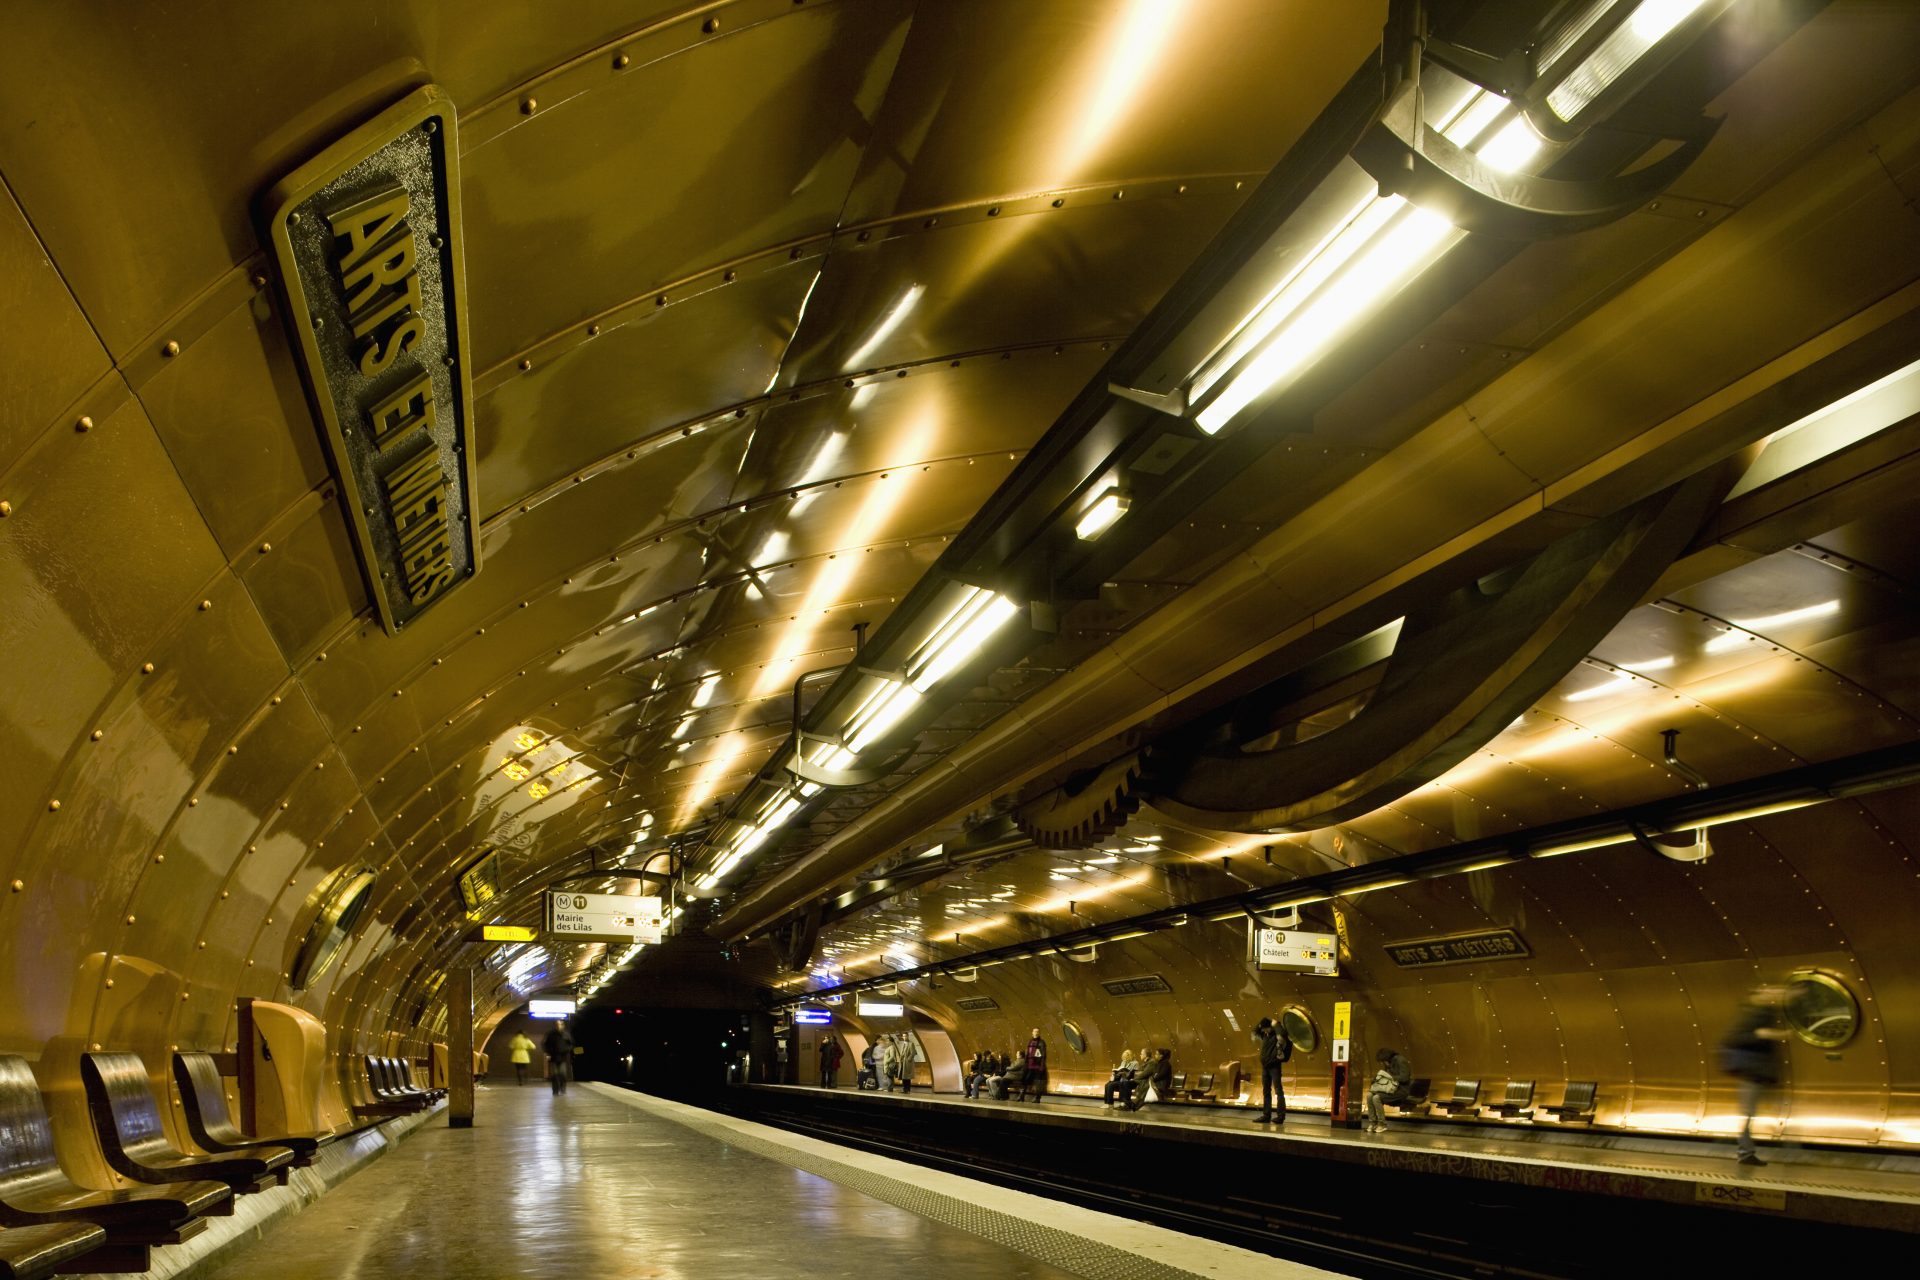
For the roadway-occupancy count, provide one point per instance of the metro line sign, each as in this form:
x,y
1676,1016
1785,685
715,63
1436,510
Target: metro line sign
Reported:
x,y
367,240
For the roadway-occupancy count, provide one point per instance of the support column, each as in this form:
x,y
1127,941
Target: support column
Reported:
x,y
460,1048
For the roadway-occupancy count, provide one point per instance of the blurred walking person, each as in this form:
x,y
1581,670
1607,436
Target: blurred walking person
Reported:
x,y
521,1047
1751,1054
559,1050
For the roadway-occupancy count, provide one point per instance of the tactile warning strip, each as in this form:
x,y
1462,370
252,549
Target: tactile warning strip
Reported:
x,y
1056,1248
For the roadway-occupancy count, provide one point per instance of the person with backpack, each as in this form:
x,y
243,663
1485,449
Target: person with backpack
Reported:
x,y
1276,1047
1391,1083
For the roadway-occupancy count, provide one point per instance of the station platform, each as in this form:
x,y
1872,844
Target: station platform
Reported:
x,y
1448,1197
606,1182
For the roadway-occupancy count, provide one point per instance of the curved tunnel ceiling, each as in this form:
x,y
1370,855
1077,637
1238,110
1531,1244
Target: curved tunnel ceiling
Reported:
x,y
767,300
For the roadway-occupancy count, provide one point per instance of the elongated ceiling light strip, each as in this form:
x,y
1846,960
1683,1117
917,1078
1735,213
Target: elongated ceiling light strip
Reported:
x,y
969,623
1383,243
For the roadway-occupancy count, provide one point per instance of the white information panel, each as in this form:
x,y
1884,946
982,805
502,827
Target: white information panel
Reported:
x,y
603,917
1298,952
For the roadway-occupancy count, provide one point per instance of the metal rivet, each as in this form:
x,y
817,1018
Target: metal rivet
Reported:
x,y
993,211
129,919
233,751
276,699
525,365
265,547
53,806
593,331
529,106
6,508
193,802
205,605
109,981
159,857
19,886
99,734
84,424
171,348
259,281
710,26
146,668
660,300
1059,203
621,62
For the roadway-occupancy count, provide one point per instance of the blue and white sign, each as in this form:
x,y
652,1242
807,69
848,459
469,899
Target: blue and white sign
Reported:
x,y
815,1017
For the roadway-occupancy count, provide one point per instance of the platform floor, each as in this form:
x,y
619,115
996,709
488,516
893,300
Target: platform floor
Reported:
x,y
1890,1179
606,1183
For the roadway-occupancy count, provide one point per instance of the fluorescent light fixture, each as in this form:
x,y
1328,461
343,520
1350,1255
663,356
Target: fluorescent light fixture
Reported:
x,y
961,634
1485,864
879,1008
1370,270
885,707
1650,23
1511,149
1578,846
1758,811
884,330
1102,514
1393,882
703,692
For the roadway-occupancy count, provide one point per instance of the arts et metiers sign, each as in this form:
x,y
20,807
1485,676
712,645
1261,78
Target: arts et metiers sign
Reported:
x,y
366,237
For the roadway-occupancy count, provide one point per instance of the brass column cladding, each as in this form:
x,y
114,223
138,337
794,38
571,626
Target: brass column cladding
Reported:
x,y
461,1047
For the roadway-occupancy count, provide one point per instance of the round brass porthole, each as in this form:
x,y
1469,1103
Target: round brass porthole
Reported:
x,y
341,904
1300,1028
1076,1039
1821,1009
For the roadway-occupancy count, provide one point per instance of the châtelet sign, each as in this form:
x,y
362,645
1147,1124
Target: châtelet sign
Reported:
x,y
366,237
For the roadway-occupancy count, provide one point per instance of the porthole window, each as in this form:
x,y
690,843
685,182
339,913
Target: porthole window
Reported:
x,y
340,907
1076,1040
1820,1009
1300,1028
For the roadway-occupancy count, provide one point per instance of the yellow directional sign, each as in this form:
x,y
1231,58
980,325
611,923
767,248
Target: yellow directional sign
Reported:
x,y
506,933
1342,1020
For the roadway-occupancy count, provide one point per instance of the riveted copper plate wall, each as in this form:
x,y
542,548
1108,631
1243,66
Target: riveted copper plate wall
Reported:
x,y
712,433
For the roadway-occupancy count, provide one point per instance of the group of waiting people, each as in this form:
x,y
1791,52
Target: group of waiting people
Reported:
x,y
888,1062
1001,1076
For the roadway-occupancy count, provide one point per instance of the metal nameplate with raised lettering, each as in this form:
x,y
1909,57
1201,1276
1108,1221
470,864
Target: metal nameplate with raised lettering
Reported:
x,y
1458,948
367,239
976,1004
1146,985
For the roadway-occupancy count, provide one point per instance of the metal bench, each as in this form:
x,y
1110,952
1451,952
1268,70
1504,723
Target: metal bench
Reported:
x,y
1576,1104
389,1085
127,1119
1516,1103
1418,1099
405,1068
1202,1090
26,1253
35,1191
1465,1099
208,1121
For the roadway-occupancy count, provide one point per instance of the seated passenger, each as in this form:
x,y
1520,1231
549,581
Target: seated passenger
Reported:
x,y
868,1078
976,1074
1151,1081
1012,1077
1390,1084
1121,1082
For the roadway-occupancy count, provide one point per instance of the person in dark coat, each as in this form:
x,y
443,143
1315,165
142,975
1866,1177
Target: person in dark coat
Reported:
x,y
1155,1075
1275,1049
1034,1059
1751,1054
558,1047
829,1061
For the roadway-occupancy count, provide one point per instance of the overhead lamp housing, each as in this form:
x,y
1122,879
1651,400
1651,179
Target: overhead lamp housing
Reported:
x,y
1102,513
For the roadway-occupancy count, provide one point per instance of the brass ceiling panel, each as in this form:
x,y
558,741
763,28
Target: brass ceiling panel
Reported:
x,y
305,581
53,356
985,286
1132,89
89,584
243,95
235,421
715,351
740,145
986,406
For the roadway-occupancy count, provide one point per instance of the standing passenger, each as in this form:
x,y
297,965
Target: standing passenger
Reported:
x,y
1751,1054
889,1061
829,1060
559,1049
1275,1048
1034,1058
907,1055
521,1047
